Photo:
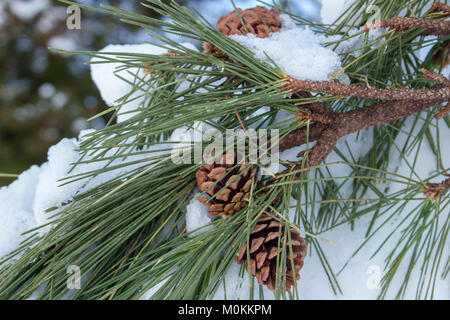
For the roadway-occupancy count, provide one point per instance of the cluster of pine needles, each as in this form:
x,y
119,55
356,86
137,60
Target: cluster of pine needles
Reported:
x,y
128,235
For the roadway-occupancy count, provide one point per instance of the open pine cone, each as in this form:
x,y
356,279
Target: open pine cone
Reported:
x,y
258,20
231,186
264,241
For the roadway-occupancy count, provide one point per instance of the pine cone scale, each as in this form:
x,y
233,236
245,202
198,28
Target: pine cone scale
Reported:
x,y
256,244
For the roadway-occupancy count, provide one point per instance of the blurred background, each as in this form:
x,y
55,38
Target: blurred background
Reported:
x,y
45,96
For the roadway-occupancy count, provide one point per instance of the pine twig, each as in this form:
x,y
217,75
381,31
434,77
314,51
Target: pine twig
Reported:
x,y
432,27
301,136
348,122
342,89
330,126
440,7
440,79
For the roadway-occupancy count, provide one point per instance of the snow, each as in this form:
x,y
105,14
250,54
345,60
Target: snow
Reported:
x,y
197,217
114,84
24,204
48,192
16,201
307,59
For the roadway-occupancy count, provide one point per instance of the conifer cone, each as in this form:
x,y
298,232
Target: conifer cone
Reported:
x,y
258,20
227,184
264,241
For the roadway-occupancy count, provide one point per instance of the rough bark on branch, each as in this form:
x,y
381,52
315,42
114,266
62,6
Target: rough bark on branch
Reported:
x,y
342,89
430,26
438,6
329,126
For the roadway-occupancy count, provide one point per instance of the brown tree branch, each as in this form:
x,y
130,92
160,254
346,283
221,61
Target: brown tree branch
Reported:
x,y
379,113
342,89
300,136
348,122
336,125
430,26
438,6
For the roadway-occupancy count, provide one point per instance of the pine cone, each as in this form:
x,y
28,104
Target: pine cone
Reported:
x,y
229,186
258,20
264,250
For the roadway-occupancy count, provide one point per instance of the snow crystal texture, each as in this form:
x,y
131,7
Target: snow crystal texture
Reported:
x,y
298,51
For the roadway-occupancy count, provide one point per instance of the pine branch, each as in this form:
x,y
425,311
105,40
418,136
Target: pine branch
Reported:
x,y
336,88
430,26
440,7
119,233
331,126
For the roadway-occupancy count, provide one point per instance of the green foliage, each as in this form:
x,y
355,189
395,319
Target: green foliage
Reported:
x,y
128,234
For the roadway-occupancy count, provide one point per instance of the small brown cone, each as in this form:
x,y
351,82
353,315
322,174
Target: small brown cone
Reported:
x,y
227,184
264,253
258,20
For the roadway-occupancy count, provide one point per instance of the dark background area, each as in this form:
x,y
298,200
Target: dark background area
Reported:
x,y
46,96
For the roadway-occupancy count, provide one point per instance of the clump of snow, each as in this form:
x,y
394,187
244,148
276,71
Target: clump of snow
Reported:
x,y
297,51
16,214
48,192
114,82
24,204
197,217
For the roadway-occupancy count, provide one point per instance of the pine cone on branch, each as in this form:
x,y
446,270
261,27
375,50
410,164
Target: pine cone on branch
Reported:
x,y
265,251
227,184
258,20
